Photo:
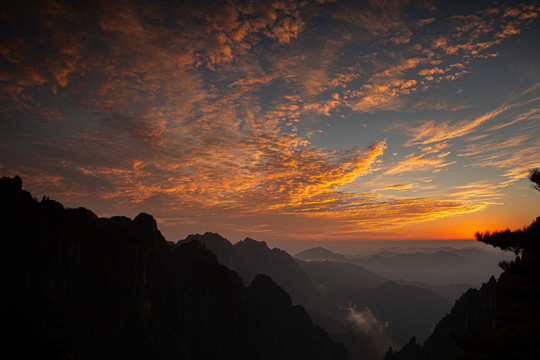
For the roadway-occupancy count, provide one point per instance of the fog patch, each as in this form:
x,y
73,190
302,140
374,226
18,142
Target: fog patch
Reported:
x,y
365,321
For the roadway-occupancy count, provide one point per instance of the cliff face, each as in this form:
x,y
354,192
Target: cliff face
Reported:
x,y
79,286
474,310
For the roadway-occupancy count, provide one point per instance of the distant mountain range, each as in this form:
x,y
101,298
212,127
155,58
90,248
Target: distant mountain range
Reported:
x,y
335,275
330,288
320,254
447,271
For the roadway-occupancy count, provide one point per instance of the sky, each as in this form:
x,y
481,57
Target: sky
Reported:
x,y
280,121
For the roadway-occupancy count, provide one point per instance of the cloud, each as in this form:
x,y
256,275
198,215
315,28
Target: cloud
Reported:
x,y
424,22
515,164
394,80
372,214
398,187
432,131
379,18
420,162
259,172
480,191
533,114
286,29
366,322
430,102
473,35
494,145
383,90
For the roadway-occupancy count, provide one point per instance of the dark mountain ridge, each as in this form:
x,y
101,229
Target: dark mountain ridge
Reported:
x,y
250,257
79,286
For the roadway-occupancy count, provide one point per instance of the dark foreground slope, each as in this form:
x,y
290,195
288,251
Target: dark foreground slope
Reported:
x,y
78,286
499,321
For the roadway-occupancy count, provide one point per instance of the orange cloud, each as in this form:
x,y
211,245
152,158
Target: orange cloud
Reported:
x,y
398,187
384,89
515,165
420,162
481,192
286,29
435,70
423,22
431,131
492,146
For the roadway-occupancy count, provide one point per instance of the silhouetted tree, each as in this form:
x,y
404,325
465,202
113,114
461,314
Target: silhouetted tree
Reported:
x,y
526,240
534,176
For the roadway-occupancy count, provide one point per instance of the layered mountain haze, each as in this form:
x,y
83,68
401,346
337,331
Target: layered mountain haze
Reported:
x,y
338,294
447,271
334,275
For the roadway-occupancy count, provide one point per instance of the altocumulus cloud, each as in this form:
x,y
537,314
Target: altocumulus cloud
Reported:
x,y
216,107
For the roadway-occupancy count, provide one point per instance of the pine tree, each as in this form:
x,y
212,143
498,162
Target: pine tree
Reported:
x,y
534,176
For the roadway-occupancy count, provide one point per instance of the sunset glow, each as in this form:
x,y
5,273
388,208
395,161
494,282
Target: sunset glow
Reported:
x,y
300,120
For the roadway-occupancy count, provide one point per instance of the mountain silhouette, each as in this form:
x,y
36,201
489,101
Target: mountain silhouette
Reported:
x,y
250,257
83,287
320,254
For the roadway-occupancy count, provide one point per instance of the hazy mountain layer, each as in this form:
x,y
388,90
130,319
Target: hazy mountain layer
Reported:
x,y
346,293
426,267
334,275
